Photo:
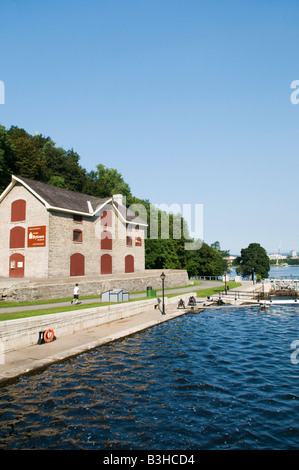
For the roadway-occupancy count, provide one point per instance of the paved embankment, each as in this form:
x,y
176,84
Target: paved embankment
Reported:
x,y
16,362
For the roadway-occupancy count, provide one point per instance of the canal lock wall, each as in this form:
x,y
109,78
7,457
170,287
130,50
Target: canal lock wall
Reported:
x,y
22,333
31,290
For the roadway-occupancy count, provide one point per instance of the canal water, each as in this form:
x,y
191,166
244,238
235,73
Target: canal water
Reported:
x,y
276,271
227,378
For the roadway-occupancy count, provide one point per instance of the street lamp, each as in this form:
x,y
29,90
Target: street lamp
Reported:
x,y
163,305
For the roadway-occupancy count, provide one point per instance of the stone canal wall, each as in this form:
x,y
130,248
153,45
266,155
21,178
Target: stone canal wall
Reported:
x,y
28,290
21,333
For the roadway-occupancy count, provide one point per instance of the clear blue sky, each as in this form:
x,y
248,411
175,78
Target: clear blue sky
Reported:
x,y
188,100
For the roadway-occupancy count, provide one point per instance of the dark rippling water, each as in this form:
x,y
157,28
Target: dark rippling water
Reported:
x,y
222,379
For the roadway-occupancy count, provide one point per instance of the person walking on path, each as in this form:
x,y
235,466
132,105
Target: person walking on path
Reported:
x,y
76,295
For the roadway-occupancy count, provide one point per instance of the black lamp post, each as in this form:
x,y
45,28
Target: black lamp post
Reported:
x,y
163,305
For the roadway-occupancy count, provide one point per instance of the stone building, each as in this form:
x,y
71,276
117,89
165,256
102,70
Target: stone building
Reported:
x,y
50,232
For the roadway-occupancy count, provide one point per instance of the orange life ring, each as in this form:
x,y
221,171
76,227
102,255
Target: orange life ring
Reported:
x,y
48,336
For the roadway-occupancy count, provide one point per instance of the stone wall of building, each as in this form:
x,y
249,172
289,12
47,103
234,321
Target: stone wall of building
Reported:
x,y
121,249
62,246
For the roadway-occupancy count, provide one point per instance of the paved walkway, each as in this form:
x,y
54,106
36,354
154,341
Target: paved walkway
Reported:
x,y
26,360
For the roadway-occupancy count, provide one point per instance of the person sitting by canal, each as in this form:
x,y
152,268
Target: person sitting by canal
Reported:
x,y
76,294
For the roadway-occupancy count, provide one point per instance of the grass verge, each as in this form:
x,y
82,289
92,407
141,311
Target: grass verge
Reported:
x,y
47,311
215,290
86,297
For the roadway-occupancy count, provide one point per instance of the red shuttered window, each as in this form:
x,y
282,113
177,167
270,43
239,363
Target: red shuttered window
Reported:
x,y
106,240
77,265
17,237
18,210
129,264
106,264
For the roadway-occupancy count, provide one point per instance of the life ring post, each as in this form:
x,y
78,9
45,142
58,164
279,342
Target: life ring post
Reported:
x,y
46,336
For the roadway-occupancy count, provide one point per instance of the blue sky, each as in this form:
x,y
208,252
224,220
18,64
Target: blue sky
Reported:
x,y
188,100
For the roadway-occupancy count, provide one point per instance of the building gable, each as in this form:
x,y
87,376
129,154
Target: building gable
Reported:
x,y
64,200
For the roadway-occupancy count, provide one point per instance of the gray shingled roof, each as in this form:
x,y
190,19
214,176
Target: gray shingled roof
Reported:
x,y
63,198
71,201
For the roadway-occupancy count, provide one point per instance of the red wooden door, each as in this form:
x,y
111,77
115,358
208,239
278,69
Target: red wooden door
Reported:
x,y
16,265
129,264
106,264
77,265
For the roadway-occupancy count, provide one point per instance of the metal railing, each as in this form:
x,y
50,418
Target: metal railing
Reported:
x,y
206,278
237,295
290,276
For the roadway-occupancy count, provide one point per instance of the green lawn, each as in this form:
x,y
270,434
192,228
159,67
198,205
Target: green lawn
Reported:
x,y
215,290
87,297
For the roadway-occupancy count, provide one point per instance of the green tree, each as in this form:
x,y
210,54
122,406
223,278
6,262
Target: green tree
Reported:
x,y
253,259
216,246
104,182
57,181
207,261
161,254
6,159
165,250
75,175
26,156
61,168
38,158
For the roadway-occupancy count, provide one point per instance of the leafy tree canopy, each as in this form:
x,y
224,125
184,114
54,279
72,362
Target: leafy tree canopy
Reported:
x,y
207,261
37,157
253,259
105,182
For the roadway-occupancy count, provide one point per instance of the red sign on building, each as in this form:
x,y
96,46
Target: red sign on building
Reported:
x,y
36,236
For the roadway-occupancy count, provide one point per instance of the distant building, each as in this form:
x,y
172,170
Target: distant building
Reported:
x,y
230,259
277,256
50,232
294,254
